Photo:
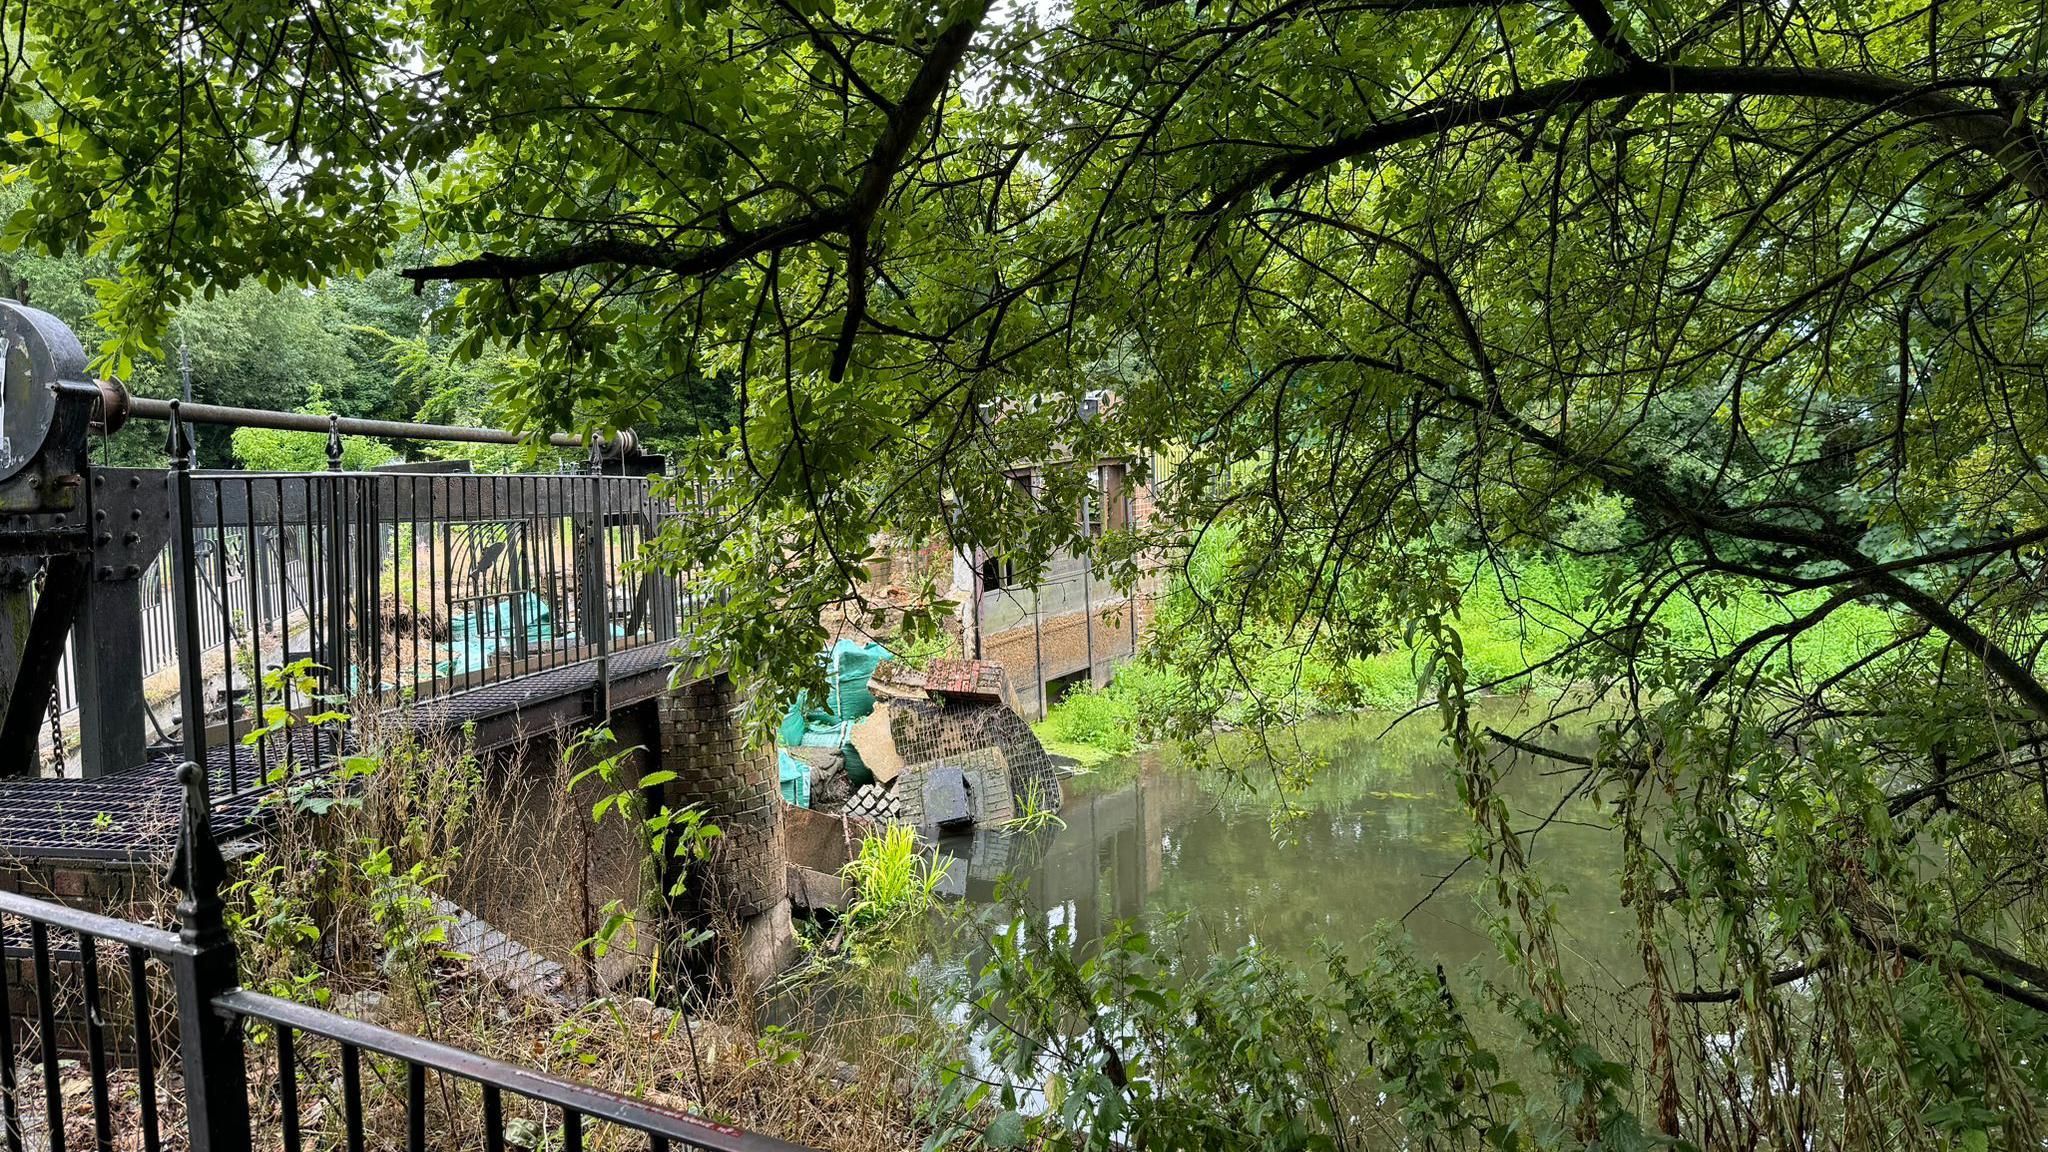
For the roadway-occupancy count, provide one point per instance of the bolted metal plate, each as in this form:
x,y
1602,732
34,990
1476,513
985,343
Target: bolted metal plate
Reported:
x,y
38,351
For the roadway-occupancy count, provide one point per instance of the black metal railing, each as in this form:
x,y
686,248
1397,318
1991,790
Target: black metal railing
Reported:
x,y
395,588
72,981
61,972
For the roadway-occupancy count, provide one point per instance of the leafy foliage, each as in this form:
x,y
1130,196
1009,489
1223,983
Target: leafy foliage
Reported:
x,y
1737,304
265,450
1142,1043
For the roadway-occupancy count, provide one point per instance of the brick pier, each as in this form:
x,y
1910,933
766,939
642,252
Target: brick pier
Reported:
x,y
736,786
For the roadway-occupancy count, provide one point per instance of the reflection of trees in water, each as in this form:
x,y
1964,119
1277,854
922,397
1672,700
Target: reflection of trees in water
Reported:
x,y
1371,839
1095,870
1200,864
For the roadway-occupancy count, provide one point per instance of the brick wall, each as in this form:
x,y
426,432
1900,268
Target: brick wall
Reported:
x,y
1037,634
1062,645
109,888
701,741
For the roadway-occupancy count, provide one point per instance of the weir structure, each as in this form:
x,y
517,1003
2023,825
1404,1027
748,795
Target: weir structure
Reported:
x,y
216,636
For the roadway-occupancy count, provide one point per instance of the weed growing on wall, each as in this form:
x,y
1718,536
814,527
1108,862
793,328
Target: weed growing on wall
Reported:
x,y
675,840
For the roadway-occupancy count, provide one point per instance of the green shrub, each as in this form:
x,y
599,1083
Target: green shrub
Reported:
x,y
1096,718
1512,620
269,450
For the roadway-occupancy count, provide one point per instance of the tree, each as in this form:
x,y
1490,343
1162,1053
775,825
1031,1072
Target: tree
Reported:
x,y
1401,279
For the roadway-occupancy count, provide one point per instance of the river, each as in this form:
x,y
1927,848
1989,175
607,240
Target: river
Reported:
x,y
1372,840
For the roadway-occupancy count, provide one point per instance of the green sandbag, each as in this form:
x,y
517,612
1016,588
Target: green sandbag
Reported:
x,y
796,779
791,733
856,768
823,732
852,665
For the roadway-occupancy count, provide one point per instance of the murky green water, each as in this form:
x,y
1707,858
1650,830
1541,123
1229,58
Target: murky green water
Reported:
x,y
1378,830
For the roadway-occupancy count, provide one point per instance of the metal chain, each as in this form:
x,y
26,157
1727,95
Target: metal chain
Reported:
x,y
56,731
56,708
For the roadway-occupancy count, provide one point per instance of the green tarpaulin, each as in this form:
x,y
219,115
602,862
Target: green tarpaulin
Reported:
x,y
851,665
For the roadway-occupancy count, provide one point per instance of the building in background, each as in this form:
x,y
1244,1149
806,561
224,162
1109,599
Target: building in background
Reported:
x,y
1068,628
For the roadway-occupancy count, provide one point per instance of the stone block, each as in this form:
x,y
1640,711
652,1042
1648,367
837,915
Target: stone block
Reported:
x,y
944,793
812,892
767,944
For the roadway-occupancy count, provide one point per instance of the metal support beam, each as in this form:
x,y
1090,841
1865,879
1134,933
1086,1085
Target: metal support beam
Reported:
x,y
35,661
113,725
209,1041
131,520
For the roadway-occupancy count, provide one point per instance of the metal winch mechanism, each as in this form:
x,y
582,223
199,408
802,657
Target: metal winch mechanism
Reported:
x,y
73,545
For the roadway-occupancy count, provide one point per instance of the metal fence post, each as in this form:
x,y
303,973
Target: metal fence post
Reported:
x,y
185,596
336,659
600,596
209,1041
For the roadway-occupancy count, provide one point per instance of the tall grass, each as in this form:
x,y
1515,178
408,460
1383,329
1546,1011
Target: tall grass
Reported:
x,y
1511,624
894,878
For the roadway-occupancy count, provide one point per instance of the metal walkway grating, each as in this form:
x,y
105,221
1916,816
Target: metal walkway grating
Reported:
x,y
133,816
511,697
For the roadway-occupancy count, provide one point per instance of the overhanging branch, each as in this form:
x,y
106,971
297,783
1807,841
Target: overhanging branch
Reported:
x,y
2015,146
634,254
853,219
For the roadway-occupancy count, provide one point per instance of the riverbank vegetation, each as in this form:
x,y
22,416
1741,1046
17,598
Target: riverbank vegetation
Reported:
x,y
1516,623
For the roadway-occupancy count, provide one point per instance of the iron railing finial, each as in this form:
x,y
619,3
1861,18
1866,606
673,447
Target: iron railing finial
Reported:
x,y
335,448
199,870
177,442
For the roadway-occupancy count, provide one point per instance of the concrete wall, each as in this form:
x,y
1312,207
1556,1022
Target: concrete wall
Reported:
x,y
1062,645
542,872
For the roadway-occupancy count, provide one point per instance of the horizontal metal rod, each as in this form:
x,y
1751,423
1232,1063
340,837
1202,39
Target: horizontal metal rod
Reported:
x,y
598,1105
149,408
105,927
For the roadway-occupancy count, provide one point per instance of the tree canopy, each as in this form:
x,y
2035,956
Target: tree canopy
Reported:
x,y
1724,298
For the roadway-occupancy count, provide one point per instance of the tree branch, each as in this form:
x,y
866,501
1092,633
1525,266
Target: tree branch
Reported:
x,y
634,254
1702,520
879,173
1730,995
2017,148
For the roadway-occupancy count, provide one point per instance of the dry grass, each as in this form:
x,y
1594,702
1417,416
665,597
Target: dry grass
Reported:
x,y
324,919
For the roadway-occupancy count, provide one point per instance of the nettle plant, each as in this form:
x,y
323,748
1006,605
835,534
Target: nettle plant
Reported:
x,y
298,680
675,839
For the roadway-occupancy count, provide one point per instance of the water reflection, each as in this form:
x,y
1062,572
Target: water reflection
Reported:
x,y
1379,831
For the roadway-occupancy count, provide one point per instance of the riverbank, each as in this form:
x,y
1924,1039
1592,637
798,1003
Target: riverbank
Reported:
x,y
1513,633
